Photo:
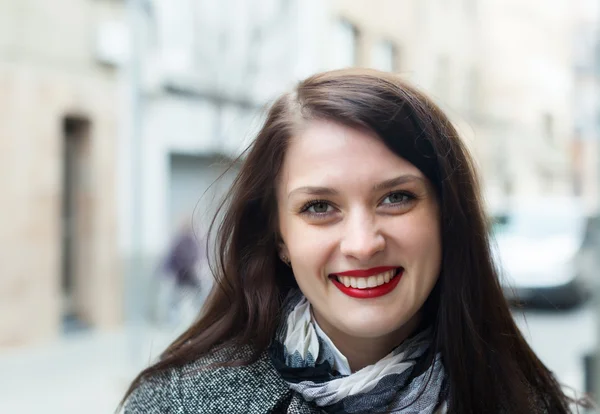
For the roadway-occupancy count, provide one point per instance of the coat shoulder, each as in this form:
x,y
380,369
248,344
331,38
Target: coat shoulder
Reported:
x,y
155,394
201,388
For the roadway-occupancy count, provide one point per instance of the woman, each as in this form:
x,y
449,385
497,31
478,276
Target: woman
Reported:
x,y
354,273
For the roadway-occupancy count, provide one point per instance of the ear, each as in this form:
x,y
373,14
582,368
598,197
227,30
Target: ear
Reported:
x,y
282,249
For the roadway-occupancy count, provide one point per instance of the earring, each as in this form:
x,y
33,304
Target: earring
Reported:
x,y
286,260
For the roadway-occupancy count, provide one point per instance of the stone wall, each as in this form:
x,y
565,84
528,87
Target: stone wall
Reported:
x,y
47,73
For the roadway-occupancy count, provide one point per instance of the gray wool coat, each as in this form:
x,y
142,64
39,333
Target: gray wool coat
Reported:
x,y
255,388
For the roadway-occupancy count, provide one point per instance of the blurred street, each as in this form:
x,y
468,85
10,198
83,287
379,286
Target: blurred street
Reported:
x,y
561,339
89,373
123,124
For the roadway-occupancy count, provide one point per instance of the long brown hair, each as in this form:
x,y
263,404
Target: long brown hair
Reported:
x,y
490,366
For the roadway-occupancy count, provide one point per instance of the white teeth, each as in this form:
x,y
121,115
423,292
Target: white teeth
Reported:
x,y
367,282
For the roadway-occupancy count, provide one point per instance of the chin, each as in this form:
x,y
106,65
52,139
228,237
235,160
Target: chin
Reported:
x,y
370,327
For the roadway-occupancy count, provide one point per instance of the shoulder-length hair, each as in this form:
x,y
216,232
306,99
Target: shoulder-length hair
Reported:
x,y
490,366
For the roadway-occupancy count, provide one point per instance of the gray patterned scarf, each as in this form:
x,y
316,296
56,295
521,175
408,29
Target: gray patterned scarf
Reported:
x,y
404,381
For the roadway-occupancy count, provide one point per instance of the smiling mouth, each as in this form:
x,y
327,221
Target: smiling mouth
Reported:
x,y
369,282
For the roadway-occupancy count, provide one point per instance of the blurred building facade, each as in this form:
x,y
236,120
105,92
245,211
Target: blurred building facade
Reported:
x,y
512,75
503,71
59,128
207,71
586,102
527,113
433,47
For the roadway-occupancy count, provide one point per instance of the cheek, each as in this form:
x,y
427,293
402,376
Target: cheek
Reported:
x,y
422,240
428,242
310,249
309,245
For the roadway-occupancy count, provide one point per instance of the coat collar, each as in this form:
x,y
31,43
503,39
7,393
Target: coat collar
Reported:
x,y
251,388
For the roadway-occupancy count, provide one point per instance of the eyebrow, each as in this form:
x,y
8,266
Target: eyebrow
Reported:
x,y
387,184
403,179
318,191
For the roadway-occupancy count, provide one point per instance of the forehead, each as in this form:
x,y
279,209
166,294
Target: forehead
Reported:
x,y
327,153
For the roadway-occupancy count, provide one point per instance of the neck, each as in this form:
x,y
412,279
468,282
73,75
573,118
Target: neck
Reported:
x,y
361,352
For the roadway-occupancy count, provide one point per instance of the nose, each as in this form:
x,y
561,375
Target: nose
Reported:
x,y
362,238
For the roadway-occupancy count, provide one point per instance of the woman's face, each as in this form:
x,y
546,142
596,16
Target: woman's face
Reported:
x,y
353,213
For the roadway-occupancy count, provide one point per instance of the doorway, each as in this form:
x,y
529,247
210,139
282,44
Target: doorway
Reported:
x,y
196,187
76,222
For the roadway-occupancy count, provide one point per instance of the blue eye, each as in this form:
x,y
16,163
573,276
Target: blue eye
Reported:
x,y
318,207
397,198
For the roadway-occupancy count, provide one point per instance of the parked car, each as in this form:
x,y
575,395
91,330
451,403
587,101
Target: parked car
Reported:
x,y
546,252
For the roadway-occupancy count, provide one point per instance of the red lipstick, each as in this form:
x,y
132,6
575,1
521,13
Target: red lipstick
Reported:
x,y
368,293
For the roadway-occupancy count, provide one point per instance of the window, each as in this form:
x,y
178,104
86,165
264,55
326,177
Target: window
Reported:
x,y
345,41
384,55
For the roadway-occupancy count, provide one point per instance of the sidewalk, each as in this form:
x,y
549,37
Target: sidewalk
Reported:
x,y
82,373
